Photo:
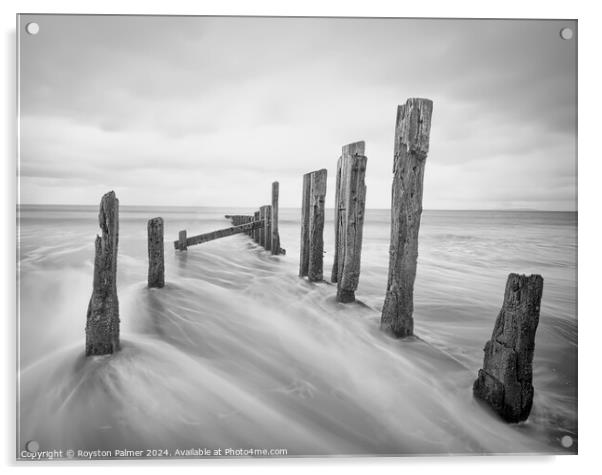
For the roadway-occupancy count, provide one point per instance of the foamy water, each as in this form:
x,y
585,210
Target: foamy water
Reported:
x,y
237,351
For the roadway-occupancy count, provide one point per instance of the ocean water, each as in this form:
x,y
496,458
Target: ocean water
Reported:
x,y
238,352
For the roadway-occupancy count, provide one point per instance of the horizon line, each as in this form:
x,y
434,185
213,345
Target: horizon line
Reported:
x,y
298,207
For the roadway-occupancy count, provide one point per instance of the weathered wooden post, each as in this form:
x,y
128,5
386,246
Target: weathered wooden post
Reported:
x,y
316,225
506,380
275,233
335,265
156,263
268,228
411,147
256,230
304,248
349,224
182,240
263,216
102,320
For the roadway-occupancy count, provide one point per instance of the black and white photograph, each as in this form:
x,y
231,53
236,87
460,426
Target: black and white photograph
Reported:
x,y
283,237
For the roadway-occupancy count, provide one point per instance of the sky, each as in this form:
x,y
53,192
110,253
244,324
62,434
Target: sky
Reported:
x,y
209,111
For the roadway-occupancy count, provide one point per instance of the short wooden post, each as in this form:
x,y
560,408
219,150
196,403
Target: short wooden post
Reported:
x,y
412,132
506,380
256,230
182,246
275,233
305,205
156,263
350,206
316,225
102,319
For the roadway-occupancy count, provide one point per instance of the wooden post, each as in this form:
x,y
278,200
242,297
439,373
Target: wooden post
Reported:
x,y
156,263
506,380
337,205
349,226
256,230
316,225
102,320
262,234
412,131
182,246
305,203
268,228
275,234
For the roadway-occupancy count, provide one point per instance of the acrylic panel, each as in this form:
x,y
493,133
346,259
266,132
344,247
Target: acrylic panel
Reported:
x,y
296,237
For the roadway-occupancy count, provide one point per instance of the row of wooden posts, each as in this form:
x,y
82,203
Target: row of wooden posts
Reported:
x,y
350,203
102,320
412,133
262,226
504,382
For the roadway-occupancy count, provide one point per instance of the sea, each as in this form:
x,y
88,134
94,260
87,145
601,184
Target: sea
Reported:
x,y
237,352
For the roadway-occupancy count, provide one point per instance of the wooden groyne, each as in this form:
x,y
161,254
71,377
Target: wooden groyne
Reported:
x,y
102,319
267,234
262,227
350,203
412,131
506,380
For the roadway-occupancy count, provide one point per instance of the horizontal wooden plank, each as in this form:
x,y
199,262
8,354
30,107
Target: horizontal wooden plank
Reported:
x,y
201,238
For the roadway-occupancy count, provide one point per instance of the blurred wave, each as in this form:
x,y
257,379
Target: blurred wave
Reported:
x,y
237,351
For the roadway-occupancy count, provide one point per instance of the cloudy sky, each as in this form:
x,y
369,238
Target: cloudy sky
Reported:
x,y
209,111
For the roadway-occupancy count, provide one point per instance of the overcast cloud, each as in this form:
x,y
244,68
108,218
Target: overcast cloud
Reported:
x,y
210,111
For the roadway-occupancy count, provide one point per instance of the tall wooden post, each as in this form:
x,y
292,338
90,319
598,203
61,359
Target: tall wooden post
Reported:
x,y
102,320
335,265
304,247
268,228
275,233
349,225
156,263
262,230
316,225
506,380
182,246
412,132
